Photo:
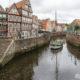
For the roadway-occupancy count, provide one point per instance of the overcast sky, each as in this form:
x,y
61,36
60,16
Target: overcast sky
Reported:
x,y
67,10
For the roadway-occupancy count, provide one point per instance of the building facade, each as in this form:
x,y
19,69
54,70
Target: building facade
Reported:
x,y
14,21
20,20
60,27
3,22
46,25
40,24
72,26
37,25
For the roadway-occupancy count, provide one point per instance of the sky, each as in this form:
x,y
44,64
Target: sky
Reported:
x,y
67,10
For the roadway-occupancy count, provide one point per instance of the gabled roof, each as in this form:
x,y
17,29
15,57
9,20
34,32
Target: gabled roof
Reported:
x,y
1,9
8,9
20,4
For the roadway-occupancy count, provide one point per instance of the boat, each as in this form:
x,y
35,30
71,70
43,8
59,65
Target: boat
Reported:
x,y
56,45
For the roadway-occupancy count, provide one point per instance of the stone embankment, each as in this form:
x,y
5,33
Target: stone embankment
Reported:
x,y
11,48
57,34
73,39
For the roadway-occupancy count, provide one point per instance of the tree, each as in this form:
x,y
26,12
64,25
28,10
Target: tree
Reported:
x,y
67,24
77,26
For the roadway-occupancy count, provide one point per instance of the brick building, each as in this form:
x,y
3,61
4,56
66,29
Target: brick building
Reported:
x,y
46,25
3,22
72,25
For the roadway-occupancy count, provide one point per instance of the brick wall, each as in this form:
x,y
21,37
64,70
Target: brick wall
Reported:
x,y
73,39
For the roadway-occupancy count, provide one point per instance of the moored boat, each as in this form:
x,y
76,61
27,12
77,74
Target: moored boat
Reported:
x,y
56,45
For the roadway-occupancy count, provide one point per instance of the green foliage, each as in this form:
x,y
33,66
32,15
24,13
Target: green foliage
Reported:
x,y
67,24
77,26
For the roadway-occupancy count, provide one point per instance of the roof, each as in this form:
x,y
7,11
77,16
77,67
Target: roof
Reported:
x,y
20,4
77,21
1,9
8,9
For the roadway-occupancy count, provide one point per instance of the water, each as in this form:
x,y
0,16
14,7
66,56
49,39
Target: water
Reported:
x,y
44,64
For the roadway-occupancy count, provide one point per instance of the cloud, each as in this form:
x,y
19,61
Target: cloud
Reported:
x,y
67,10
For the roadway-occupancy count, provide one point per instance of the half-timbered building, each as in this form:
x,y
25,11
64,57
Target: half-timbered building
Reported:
x,y
20,19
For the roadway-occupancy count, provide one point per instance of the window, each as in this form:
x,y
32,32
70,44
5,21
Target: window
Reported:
x,y
25,12
0,24
4,15
0,15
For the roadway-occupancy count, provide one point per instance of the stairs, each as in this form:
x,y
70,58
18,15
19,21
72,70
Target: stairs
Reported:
x,y
4,43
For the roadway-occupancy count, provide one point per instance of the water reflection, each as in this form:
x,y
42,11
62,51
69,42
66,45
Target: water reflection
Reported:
x,y
44,64
56,51
74,52
21,68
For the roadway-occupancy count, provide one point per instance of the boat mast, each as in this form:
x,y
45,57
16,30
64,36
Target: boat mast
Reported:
x,y
55,19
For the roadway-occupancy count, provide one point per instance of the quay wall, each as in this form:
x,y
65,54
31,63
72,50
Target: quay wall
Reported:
x,y
55,34
73,40
18,47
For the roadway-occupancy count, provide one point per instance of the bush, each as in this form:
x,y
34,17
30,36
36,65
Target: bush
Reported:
x,y
77,26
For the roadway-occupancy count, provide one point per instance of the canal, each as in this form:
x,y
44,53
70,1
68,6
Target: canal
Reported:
x,y
45,64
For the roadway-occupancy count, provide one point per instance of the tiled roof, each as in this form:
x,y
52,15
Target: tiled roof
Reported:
x,y
20,4
8,9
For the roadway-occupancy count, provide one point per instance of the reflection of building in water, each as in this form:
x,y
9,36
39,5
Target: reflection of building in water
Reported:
x,y
75,52
21,68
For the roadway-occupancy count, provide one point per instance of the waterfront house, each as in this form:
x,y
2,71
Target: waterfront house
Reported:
x,y
53,26
3,22
14,21
20,19
40,24
37,25
46,25
74,26
60,27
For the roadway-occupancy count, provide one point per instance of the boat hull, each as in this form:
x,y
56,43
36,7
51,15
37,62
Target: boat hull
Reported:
x,y
55,48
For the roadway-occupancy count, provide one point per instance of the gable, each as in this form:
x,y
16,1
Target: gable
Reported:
x,y
27,1
1,9
14,10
